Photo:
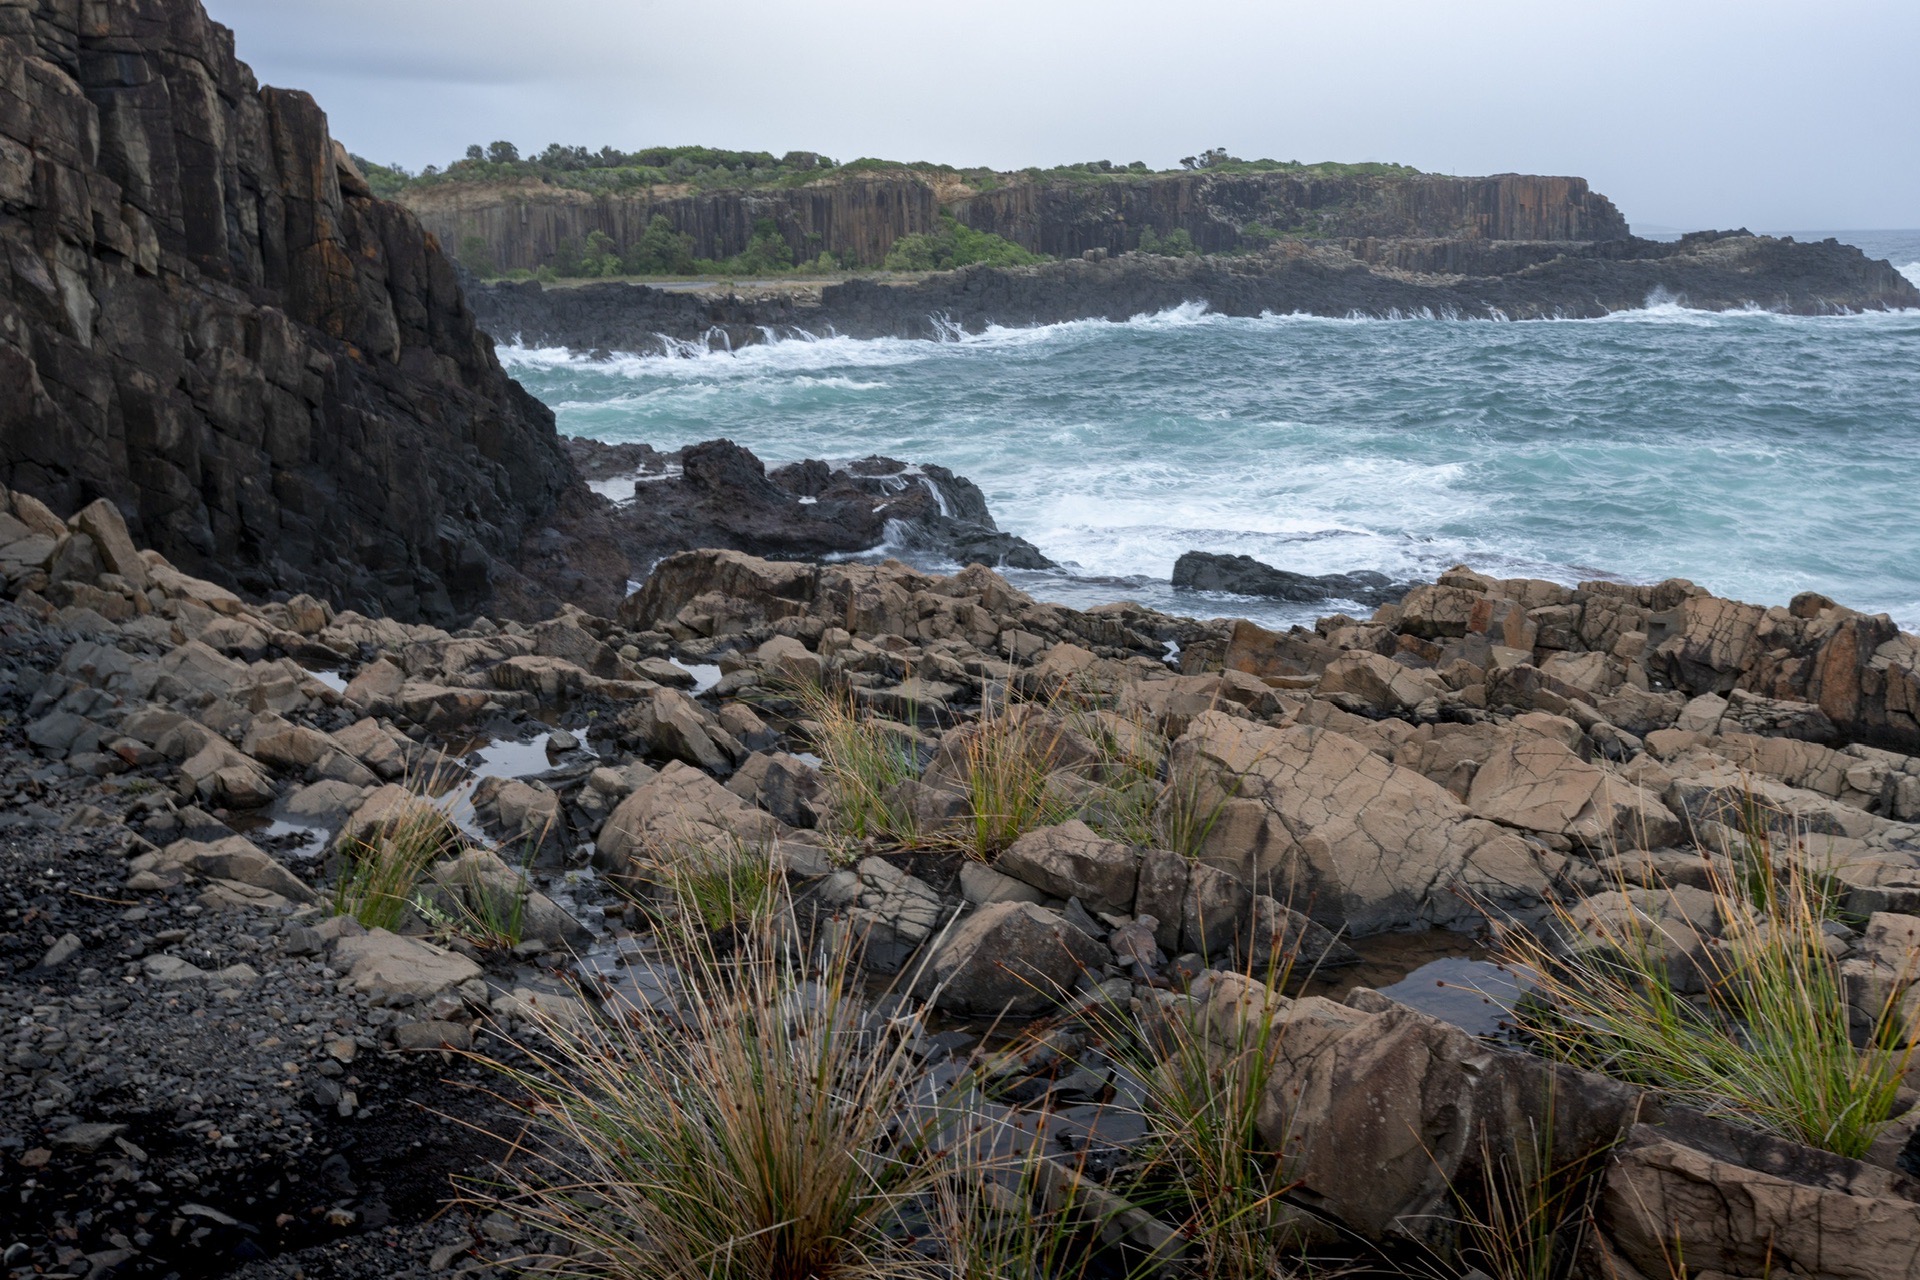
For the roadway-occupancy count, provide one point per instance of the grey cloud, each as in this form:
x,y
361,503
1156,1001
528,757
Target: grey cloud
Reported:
x,y
1771,113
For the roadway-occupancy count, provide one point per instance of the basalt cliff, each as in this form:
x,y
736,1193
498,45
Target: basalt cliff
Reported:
x,y
856,216
206,317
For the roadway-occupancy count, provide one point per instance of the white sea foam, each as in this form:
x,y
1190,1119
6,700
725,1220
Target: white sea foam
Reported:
x,y
1912,272
1759,454
797,358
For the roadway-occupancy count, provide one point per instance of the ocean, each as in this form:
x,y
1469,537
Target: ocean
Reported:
x,y
1759,455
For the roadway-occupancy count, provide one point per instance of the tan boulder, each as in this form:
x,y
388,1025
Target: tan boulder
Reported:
x,y
1438,611
220,774
37,516
1379,682
1014,958
1536,783
438,705
1748,1205
680,809
102,521
669,725
1381,1109
1346,835
729,586
183,586
1072,861
234,858
1705,643
281,744
549,679
375,685
401,967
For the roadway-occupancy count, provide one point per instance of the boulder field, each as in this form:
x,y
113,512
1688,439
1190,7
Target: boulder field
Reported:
x,y
211,1070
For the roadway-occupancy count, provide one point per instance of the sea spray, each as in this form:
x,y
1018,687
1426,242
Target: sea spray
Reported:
x,y
1759,454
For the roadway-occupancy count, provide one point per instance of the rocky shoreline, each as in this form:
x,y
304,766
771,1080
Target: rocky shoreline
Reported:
x,y
1471,279
212,1071
310,874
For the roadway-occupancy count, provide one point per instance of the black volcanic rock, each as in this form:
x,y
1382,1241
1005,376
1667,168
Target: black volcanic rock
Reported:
x,y
206,317
718,494
1245,576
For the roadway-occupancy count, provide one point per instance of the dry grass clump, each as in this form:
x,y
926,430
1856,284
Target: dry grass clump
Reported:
x,y
1003,1211
1768,1043
864,759
1529,1215
721,882
383,869
1007,759
758,1132
1204,1072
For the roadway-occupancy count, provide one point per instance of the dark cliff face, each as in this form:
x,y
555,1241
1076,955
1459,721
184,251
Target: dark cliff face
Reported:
x,y
859,218
206,317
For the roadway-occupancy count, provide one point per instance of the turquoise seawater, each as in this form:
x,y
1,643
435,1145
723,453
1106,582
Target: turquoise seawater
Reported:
x,y
1759,455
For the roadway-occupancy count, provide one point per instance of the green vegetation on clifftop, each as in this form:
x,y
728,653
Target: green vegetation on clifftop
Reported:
x,y
611,170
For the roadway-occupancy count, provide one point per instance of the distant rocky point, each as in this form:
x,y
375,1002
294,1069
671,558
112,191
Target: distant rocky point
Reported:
x,y
1468,277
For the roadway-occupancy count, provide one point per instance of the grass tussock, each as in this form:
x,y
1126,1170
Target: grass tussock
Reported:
x,y
758,1132
1205,1071
484,904
1003,1211
864,759
1007,762
718,883
1768,1043
1529,1215
383,869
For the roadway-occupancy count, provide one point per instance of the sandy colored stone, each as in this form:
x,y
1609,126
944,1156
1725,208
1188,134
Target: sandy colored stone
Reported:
x,y
400,966
1536,783
1072,861
1348,836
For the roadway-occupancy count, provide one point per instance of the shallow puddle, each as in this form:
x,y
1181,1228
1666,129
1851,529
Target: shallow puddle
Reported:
x,y
1475,995
1387,958
332,679
500,758
291,839
705,674
1449,976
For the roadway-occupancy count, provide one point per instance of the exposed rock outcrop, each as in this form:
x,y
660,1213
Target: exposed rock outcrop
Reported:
x,y
206,317
1243,575
1481,746
718,494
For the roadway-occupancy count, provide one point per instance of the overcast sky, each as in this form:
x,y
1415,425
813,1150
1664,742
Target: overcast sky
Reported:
x,y
1775,114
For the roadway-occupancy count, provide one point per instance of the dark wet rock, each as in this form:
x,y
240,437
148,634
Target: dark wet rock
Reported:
x,y
1245,576
718,494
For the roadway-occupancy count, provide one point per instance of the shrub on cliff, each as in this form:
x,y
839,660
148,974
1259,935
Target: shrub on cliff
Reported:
x,y
955,245
1175,244
660,250
477,257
